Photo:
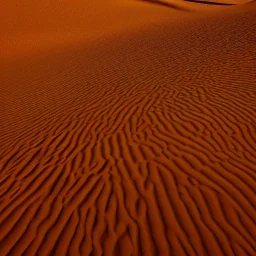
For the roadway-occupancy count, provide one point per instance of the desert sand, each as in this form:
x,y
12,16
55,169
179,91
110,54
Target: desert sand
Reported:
x,y
128,127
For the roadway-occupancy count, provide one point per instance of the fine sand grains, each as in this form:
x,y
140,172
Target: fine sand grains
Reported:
x,y
140,143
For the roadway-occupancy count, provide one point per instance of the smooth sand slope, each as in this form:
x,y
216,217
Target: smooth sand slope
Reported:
x,y
127,128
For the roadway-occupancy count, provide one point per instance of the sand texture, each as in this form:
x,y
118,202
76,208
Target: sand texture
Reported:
x,y
128,128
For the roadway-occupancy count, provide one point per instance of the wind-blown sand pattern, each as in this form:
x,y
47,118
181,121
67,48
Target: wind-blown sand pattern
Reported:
x,y
130,135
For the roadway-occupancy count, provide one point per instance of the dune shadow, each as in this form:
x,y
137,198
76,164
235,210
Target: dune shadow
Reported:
x,y
208,2
179,6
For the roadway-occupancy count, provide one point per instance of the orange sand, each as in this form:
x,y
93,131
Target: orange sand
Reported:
x,y
127,128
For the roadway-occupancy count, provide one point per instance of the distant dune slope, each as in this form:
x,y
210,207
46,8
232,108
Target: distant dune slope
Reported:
x,y
142,142
196,5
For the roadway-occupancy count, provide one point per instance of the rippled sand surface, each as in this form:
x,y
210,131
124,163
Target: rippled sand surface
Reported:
x,y
128,128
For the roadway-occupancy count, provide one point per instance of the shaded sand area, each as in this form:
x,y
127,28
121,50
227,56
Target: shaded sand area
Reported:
x,y
127,128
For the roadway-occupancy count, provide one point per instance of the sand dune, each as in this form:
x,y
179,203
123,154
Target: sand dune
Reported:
x,y
128,133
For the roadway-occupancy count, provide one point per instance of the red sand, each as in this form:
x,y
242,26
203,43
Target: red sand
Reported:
x,y
127,128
